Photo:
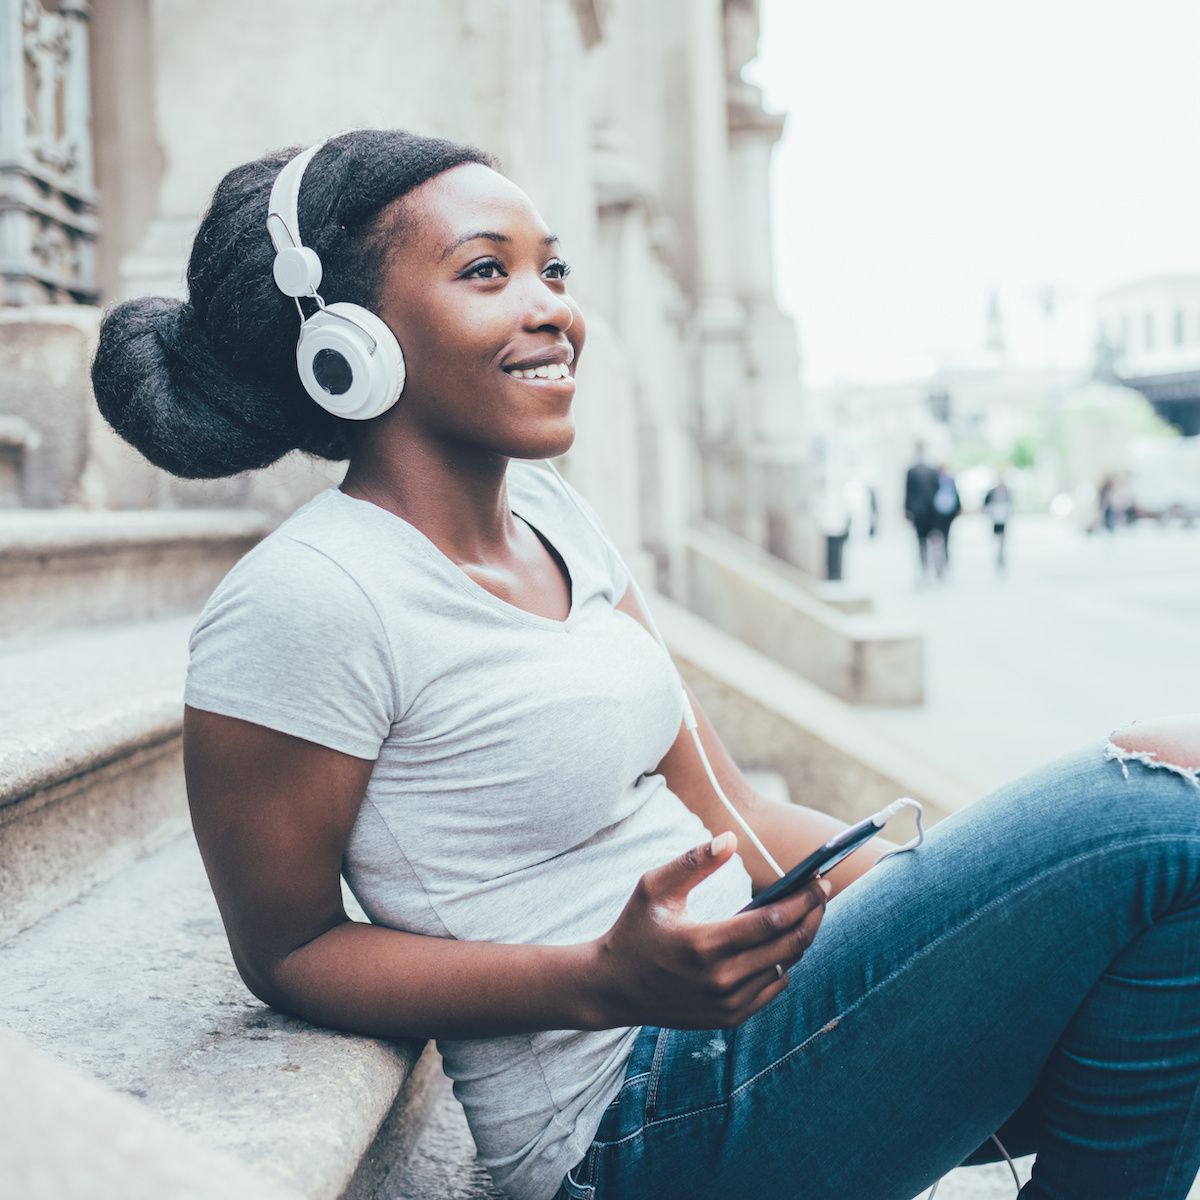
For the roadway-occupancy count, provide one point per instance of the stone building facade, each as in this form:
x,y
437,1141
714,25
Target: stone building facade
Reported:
x,y
628,123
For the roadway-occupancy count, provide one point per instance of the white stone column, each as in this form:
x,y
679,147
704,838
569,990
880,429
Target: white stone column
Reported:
x,y
773,434
717,320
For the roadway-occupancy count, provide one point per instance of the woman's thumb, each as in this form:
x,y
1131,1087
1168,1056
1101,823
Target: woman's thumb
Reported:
x,y
674,879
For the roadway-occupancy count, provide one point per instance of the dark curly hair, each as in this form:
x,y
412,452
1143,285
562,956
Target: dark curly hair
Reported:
x,y
208,387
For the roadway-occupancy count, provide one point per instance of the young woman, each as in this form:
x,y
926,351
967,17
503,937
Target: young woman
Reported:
x,y
434,680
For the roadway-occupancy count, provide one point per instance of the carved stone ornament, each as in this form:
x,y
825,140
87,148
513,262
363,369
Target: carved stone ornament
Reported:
x,y
48,222
47,54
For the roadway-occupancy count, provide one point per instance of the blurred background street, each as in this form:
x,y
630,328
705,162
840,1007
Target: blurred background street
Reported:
x,y
1081,634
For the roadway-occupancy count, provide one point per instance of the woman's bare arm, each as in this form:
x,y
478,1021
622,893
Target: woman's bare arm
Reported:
x,y
273,814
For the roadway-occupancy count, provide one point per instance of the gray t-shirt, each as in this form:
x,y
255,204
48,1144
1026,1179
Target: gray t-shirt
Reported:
x,y
513,797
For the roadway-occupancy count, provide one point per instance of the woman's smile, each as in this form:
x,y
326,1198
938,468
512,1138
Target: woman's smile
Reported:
x,y
547,368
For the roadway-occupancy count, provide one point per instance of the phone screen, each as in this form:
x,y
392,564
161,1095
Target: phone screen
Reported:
x,y
823,859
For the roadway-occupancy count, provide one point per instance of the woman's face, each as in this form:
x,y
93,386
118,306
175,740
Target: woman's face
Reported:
x,y
477,298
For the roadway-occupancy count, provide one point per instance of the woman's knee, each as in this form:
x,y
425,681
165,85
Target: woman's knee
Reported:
x,y
1128,787
1168,743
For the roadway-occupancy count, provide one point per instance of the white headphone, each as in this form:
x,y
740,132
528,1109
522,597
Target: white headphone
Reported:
x,y
349,360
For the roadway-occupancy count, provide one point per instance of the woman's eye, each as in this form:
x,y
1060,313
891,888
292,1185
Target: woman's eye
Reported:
x,y
490,269
559,269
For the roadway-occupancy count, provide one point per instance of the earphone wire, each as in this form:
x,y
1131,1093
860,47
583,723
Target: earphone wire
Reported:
x,y
1012,1166
689,716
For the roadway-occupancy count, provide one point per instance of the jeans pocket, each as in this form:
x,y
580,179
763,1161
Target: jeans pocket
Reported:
x,y
577,1183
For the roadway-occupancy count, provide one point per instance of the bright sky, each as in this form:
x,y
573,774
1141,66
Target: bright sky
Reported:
x,y
940,148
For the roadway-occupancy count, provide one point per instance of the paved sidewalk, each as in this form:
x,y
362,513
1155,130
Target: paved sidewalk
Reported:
x,y
1081,635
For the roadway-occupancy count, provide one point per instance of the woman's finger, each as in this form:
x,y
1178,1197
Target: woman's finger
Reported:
x,y
734,977
744,931
755,994
786,949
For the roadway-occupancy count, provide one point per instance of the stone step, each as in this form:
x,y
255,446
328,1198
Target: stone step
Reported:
x,y
441,1164
65,1136
134,985
766,603
91,775
66,567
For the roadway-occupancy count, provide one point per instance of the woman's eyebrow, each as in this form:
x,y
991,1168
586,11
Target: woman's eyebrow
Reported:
x,y
489,235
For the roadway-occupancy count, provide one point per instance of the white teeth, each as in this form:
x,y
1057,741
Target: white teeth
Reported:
x,y
553,371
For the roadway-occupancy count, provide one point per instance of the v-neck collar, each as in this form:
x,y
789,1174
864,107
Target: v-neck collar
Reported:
x,y
453,572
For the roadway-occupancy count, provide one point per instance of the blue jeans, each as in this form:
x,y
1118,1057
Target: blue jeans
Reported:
x,y
1032,970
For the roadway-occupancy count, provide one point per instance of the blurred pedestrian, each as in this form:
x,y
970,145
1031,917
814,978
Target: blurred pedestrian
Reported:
x,y
1104,502
920,484
946,506
835,525
998,505
1123,504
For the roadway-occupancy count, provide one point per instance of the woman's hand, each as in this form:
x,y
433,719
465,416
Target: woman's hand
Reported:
x,y
659,967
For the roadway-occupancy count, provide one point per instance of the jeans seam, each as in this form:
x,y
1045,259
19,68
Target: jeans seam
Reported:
x,y
655,1072
971,919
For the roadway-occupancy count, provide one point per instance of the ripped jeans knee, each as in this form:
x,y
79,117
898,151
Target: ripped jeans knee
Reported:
x,y
1166,743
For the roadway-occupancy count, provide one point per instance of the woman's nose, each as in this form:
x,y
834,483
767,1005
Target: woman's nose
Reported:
x,y
545,306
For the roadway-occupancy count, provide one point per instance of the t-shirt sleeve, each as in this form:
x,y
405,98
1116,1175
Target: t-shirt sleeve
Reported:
x,y
290,640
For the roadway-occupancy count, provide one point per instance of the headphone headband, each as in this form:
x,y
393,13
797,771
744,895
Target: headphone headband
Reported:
x,y
283,208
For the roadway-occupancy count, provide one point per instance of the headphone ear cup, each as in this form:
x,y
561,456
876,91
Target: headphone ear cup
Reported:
x,y
350,362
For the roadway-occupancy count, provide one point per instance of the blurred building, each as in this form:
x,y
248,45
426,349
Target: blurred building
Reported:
x,y
973,406
629,124
1064,416
1151,327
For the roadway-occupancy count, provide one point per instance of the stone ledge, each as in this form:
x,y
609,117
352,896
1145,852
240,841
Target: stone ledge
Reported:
x,y
152,1006
68,1137
64,569
839,595
736,586
73,702
33,533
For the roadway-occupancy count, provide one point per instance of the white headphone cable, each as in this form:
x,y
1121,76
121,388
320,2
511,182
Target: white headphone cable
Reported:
x,y
1007,1158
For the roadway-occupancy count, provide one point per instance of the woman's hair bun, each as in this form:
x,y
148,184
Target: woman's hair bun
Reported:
x,y
160,387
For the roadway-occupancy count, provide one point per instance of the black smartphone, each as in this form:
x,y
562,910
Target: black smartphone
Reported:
x,y
821,860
